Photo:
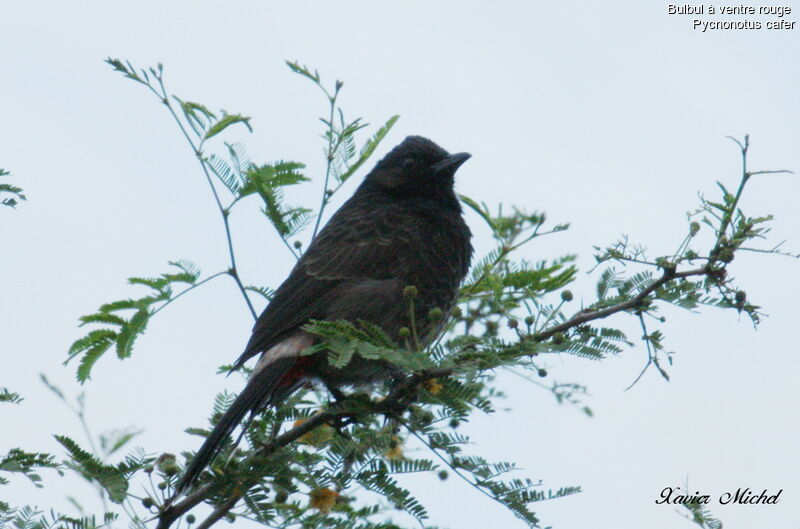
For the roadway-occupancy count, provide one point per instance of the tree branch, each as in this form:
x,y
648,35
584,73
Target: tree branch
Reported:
x,y
198,153
220,511
403,392
589,315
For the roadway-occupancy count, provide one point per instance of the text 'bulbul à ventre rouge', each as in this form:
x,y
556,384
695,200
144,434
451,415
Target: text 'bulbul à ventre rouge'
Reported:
x,y
710,9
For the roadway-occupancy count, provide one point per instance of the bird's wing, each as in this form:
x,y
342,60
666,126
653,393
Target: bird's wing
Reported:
x,y
361,241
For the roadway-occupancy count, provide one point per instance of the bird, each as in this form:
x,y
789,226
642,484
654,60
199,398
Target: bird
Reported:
x,y
402,227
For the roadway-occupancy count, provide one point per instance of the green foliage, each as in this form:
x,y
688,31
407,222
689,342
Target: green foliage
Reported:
x,y
230,171
340,139
113,441
14,191
504,320
113,478
701,515
128,318
8,396
515,494
32,518
264,292
313,463
29,465
343,340
25,463
121,322
350,166
226,121
267,180
571,393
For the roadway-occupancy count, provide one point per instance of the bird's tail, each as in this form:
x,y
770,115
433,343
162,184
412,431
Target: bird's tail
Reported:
x,y
268,387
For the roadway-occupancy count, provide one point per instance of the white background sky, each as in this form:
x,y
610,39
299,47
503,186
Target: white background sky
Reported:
x,y
609,115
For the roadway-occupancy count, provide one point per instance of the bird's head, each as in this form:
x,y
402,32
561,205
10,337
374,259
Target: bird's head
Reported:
x,y
417,167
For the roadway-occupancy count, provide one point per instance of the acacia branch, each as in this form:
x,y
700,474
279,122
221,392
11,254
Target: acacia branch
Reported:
x,y
225,213
329,156
588,315
401,395
170,513
403,392
189,289
220,511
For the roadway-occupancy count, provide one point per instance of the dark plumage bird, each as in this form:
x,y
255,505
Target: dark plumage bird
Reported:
x,y
403,226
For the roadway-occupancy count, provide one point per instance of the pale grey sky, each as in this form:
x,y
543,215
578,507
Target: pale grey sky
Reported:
x,y
608,115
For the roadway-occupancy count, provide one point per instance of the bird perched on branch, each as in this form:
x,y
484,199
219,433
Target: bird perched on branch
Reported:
x,y
403,226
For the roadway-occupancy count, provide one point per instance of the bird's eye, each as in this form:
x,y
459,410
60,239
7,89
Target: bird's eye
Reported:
x,y
409,163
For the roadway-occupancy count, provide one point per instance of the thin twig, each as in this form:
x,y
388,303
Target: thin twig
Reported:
x,y
728,217
186,291
646,339
450,465
329,157
774,251
771,171
220,511
197,149
170,513
82,418
590,315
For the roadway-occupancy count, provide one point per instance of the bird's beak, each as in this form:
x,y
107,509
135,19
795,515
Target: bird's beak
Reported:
x,y
451,163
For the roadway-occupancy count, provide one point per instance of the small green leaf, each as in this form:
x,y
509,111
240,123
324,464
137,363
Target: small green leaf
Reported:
x,y
226,121
126,69
17,460
112,479
130,331
482,211
89,359
8,396
92,339
15,191
197,116
102,317
299,69
265,292
369,147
